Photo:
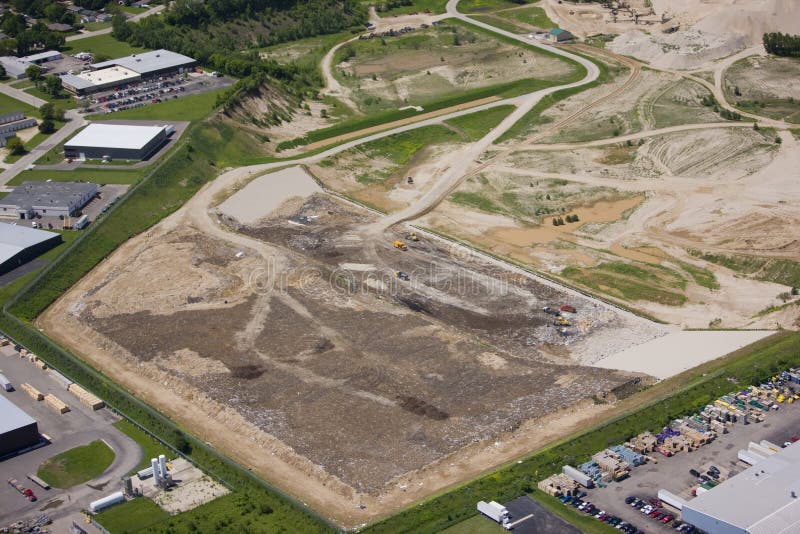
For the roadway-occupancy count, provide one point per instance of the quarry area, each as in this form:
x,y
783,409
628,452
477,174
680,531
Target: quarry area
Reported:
x,y
375,322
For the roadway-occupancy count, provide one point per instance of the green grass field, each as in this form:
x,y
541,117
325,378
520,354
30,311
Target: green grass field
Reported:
x,y
10,105
187,108
102,45
476,125
534,15
94,26
77,465
98,176
151,447
132,516
434,6
485,6
475,525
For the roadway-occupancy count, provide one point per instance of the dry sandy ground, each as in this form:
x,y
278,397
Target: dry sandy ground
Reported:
x,y
290,367
674,353
709,29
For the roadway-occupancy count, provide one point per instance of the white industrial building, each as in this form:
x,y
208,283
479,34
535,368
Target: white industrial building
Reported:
x,y
764,499
133,68
117,141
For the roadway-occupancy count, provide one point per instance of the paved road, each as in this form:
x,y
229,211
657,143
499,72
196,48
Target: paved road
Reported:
x,y
104,31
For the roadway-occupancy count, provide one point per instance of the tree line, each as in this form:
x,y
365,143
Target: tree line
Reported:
x,y
217,32
782,44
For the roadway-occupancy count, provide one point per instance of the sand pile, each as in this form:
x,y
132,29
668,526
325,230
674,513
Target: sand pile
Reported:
x,y
751,18
684,49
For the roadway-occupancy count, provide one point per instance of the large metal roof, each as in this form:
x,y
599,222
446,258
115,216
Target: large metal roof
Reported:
x,y
121,136
14,239
33,195
147,62
11,417
762,499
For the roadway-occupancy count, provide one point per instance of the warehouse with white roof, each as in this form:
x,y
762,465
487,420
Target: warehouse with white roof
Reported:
x,y
17,429
764,499
20,244
116,141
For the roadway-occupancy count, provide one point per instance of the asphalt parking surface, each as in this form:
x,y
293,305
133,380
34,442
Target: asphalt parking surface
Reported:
x,y
78,427
673,475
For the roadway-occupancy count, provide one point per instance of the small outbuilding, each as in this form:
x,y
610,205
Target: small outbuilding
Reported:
x,y
557,35
116,141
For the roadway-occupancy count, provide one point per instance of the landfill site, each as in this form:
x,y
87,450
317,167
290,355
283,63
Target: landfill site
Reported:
x,y
277,340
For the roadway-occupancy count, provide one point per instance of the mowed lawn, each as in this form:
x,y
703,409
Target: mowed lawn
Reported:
x,y
484,6
103,45
187,108
97,176
132,516
151,448
77,465
10,105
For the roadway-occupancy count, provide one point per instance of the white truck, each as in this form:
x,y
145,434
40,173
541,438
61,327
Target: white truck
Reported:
x,y
494,511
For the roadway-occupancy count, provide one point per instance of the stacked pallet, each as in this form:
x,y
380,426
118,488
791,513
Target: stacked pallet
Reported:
x,y
32,391
23,353
56,403
90,400
40,364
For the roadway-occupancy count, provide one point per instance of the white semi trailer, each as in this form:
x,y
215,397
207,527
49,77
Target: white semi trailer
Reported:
x,y
494,511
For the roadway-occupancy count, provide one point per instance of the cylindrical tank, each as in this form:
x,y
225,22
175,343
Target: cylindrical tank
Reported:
x,y
156,471
162,464
105,502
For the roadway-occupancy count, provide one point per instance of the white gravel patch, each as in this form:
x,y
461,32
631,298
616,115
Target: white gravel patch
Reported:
x,y
266,193
676,352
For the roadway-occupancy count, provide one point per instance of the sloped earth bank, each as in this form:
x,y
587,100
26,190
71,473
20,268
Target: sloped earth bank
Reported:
x,y
346,388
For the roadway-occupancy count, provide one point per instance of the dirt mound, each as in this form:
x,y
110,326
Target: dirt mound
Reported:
x,y
684,49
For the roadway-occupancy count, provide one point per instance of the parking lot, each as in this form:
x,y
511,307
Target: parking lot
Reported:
x,y
673,474
146,92
77,427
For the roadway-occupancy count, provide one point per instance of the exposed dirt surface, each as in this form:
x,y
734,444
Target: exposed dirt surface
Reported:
x,y
350,377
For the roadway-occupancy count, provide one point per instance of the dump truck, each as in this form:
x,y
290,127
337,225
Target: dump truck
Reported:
x,y
568,309
494,510
402,275
413,236
551,311
400,245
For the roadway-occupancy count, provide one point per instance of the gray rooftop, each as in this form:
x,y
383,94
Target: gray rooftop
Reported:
x,y
11,417
762,499
46,194
146,62
14,239
14,67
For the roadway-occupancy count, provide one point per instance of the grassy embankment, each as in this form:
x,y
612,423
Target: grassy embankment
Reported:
x,y
77,465
504,90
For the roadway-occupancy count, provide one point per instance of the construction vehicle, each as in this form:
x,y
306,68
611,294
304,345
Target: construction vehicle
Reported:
x,y
568,309
410,180
551,311
413,236
399,244
560,321
402,276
